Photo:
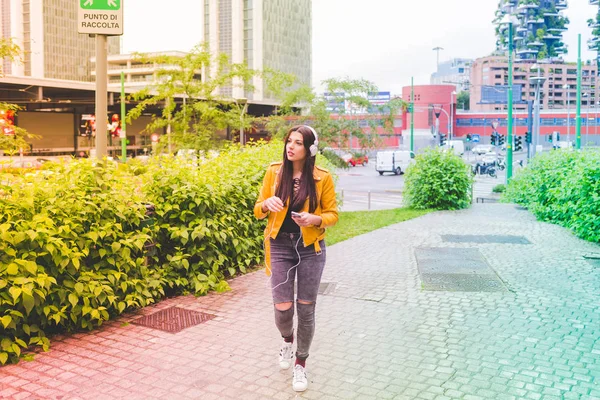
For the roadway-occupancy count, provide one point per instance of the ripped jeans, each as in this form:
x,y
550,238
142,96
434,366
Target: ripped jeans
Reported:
x,y
308,276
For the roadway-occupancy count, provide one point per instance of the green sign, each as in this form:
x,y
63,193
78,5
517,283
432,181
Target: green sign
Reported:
x,y
100,4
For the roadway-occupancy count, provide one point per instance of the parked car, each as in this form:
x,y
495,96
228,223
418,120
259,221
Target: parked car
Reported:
x,y
490,158
456,146
394,161
482,149
355,159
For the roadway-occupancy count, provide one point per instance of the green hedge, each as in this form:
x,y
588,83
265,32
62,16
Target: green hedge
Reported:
x,y
73,238
562,187
438,180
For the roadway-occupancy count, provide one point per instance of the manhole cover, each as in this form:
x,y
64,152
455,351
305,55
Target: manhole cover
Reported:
x,y
452,269
173,319
462,283
500,239
326,287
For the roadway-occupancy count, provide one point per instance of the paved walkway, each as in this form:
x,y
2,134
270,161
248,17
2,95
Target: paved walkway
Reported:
x,y
379,334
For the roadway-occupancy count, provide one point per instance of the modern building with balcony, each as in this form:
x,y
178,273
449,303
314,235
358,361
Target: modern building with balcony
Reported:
x,y
46,31
456,71
138,72
538,32
594,24
489,80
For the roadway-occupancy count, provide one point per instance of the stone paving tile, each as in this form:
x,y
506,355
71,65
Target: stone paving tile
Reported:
x,y
379,335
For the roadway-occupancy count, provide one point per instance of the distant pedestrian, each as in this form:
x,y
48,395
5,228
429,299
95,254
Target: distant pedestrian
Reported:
x,y
299,200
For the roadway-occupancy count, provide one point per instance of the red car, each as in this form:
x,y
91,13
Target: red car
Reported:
x,y
356,159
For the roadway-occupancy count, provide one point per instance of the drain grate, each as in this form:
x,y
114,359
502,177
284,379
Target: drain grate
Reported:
x,y
500,239
173,319
326,288
463,270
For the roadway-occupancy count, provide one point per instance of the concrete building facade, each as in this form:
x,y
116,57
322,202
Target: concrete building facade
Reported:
x,y
489,80
46,32
273,34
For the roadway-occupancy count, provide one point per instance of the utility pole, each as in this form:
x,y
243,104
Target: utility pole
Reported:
x,y
123,133
437,49
578,133
412,114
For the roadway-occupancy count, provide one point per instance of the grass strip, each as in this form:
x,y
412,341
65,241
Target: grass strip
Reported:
x,y
354,223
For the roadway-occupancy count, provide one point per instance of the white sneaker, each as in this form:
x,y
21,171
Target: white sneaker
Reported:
x,y
300,381
286,355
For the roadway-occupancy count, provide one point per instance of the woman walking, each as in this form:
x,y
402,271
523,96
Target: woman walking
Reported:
x,y
299,200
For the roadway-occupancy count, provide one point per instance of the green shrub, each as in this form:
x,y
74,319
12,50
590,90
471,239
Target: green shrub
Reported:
x,y
438,180
71,253
73,238
501,188
562,187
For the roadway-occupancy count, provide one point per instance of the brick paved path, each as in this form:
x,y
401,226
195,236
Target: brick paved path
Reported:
x,y
379,335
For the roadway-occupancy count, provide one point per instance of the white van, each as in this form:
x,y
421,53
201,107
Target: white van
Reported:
x,y
394,161
457,146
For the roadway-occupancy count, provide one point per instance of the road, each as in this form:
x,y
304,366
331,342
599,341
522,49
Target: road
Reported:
x,y
356,184
362,188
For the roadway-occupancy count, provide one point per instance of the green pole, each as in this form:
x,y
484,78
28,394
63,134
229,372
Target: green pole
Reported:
x,y
412,114
509,136
123,130
578,139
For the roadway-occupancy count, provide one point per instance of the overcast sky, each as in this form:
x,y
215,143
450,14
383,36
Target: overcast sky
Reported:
x,y
384,41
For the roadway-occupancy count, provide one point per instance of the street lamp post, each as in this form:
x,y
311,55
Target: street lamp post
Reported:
x,y
509,137
539,82
596,105
587,115
451,128
243,102
568,115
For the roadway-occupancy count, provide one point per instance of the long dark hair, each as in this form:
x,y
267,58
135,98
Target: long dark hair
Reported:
x,y
308,188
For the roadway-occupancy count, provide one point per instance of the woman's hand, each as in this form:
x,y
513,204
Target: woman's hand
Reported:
x,y
307,219
273,204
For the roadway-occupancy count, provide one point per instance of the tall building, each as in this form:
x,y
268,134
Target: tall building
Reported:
x,y
266,34
46,31
594,23
456,71
489,81
539,30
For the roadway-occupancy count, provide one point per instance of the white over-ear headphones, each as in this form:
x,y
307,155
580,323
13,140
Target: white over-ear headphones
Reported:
x,y
313,147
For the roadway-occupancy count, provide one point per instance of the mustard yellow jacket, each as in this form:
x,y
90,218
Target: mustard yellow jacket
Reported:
x,y
326,209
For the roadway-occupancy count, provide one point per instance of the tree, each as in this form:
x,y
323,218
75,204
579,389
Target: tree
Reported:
x,y
335,127
12,137
195,124
463,99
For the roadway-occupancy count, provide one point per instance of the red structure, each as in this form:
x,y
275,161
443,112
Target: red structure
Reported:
x,y
550,121
429,100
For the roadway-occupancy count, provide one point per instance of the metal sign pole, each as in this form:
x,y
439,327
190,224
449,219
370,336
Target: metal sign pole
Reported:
x,y
103,19
101,93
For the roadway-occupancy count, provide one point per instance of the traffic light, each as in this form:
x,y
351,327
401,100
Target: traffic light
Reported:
x,y
493,139
468,137
518,144
527,137
500,140
442,139
550,137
